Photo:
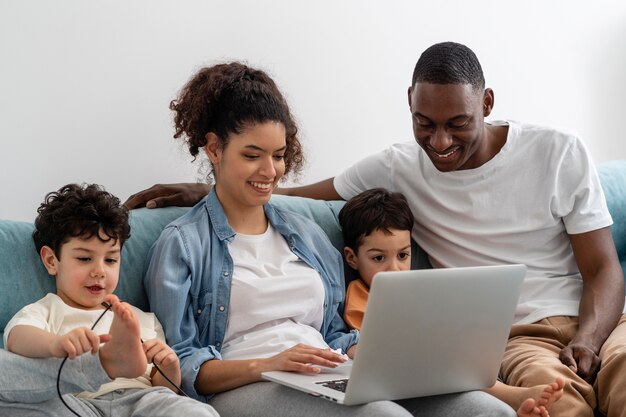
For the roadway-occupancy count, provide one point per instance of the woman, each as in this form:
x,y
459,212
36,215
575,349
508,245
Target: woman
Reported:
x,y
242,287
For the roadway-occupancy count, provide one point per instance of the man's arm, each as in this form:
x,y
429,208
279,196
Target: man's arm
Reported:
x,y
323,190
602,300
188,194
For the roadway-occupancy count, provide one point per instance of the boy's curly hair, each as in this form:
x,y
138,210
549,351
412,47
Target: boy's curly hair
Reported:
x,y
79,211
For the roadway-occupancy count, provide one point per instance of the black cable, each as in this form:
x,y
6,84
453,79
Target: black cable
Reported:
x,y
107,308
169,380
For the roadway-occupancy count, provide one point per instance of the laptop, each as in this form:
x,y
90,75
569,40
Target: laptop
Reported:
x,y
425,332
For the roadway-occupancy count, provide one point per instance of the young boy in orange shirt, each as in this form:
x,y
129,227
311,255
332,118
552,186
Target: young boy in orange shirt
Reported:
x,y
376,227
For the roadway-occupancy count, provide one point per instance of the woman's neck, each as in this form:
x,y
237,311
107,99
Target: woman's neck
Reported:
x,y
248,220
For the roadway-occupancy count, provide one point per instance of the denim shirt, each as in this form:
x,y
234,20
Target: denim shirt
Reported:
x,y
188,281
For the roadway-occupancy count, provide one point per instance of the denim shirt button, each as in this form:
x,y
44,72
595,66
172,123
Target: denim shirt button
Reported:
x,y
225,274
221,308
199,310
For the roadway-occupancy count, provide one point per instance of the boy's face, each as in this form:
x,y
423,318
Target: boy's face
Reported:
x,y
87,271
381,251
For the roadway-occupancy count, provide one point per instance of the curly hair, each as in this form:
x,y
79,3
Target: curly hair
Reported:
x,y
227,99
449,63
79,211
375,209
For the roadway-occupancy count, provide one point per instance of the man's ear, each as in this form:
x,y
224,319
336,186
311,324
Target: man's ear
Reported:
x,y
49,259
409,92
350,257
212,148
488,102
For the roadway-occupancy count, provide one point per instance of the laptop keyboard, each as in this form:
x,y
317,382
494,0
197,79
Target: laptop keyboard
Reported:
x,y
337,384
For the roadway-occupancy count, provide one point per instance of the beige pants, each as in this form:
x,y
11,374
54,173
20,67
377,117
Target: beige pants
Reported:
x,y
532,358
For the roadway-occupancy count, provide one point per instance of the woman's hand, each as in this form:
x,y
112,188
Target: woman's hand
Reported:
x,y
164,195
302,358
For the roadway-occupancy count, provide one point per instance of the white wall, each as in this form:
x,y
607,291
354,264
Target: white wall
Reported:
x,y
85,85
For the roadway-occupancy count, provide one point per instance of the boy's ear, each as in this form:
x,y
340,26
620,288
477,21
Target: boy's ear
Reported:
x,y
49,259
350,257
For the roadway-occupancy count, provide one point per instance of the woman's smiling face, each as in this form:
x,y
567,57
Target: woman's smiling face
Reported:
x,y
250,165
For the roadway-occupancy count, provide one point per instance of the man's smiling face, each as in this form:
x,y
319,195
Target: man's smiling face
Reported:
x,y
448,123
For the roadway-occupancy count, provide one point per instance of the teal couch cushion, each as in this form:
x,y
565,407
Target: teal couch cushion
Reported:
x,y
24,280
613,179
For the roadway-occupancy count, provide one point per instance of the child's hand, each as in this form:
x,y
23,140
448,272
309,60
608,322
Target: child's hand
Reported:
x,y
162,355
77,342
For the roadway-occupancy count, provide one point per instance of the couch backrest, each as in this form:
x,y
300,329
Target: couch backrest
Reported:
x,y
613,178
23,279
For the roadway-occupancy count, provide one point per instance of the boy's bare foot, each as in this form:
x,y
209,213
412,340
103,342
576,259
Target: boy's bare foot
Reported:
x,y
550,394
529,408
123,355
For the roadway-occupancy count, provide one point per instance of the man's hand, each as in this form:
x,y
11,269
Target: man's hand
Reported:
x,y
581,359
165,195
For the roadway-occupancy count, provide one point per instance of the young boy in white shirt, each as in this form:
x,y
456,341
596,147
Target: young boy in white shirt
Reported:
x,y
376,227
79,234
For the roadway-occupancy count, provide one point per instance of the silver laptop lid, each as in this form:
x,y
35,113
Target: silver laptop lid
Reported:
x,y
435,331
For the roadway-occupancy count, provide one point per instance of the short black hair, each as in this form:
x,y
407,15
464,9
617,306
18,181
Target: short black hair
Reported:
x,y
79,211
375,209
449,63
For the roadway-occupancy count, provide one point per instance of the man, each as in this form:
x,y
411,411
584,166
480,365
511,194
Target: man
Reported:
x,y
506,192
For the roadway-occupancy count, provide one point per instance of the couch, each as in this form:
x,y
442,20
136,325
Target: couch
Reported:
x,y
23,279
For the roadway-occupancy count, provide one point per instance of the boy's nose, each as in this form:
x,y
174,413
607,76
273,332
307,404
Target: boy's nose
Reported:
x,y
97,272
395,266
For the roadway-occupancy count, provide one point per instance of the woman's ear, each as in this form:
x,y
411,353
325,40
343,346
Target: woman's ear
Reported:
x,y
49,259
350,257
212,148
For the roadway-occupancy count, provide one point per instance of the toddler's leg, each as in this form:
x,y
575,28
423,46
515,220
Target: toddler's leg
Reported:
x,y
29,380
464,404
528,400
49,408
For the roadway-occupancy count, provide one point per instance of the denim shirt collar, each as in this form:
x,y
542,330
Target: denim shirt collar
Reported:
x,y
217,217
224,231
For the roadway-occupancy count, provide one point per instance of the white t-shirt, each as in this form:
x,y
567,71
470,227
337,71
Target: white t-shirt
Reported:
x,y
53,315
518,207
276,300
